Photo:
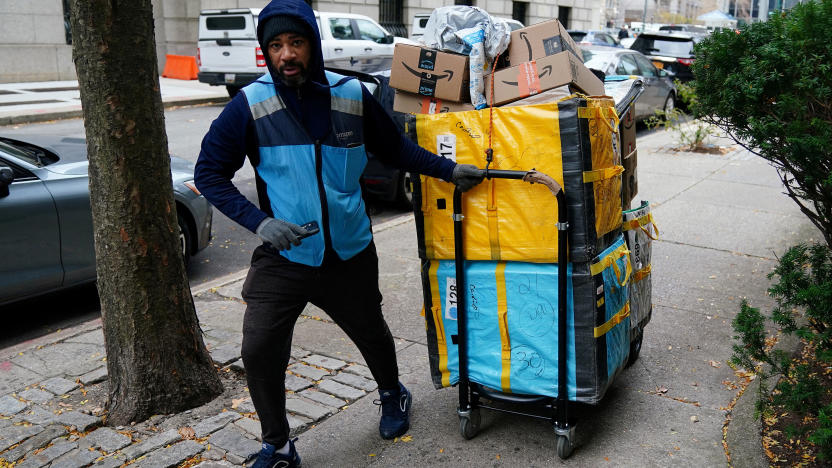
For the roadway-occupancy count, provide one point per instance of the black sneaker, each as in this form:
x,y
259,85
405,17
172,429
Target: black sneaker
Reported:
x,y
395,412
270,458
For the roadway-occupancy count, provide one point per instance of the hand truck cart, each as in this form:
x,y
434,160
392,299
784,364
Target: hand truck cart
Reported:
x,y
470,393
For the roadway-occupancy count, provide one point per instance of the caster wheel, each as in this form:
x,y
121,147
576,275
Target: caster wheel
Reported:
x,y
469,425
565,447
635,348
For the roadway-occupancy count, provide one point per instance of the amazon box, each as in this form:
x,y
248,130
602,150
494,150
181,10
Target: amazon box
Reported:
x,y
536,76
538,41
429,72
410,103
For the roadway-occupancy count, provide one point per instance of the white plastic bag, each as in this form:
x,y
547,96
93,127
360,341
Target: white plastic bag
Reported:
x,y
471,31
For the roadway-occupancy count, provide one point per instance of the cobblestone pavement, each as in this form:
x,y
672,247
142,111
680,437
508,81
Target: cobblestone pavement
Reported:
x,y
51,402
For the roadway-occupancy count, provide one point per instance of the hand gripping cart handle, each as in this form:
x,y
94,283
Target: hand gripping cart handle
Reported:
x,y
469,394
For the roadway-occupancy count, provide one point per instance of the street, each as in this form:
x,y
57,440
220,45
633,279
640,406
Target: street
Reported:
x,y
229,251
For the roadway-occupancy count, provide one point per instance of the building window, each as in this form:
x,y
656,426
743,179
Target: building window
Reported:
x,y
67,28
391,16
519,12
464,2
563,15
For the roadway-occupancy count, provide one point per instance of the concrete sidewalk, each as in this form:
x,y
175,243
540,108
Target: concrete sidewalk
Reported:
x,y
723,219
50,100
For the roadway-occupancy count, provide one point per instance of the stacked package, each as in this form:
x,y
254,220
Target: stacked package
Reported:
x,y
510,232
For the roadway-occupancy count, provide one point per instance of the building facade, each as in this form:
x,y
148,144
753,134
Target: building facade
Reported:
x,y
35,41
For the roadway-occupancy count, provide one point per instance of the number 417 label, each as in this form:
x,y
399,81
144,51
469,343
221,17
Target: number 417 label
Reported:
x,y
446,146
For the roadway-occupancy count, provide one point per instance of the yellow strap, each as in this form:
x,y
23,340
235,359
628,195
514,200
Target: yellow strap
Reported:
x,y
597,113
641,274
493,225
610,261
441,344
502,317
613,321
602,174
600,302
636,223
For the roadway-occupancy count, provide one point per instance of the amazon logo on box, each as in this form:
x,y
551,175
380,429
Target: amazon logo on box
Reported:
x,y
540,40
431,73
532,77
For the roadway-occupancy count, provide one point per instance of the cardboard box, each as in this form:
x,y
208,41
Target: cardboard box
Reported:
x,y
533,77
430,72
629,155
410,103
538,41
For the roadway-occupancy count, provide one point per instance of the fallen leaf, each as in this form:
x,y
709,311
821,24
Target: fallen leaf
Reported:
x,y
714,363
407,438
187,432
661,389
441,450
235,402
694,419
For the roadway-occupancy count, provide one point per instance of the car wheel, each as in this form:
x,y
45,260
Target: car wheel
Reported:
x,y
404,191
669,104
232,90
185,239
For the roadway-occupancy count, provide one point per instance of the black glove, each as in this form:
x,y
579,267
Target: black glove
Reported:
x,y
466,176
281,234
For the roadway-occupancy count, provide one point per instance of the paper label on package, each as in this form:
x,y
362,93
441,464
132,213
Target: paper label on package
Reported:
x,y
450,298
446,146
528,81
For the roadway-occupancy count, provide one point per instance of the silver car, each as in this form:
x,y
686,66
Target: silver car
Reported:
x,y
659,91
46,235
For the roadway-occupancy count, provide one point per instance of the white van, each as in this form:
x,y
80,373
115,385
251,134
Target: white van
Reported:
x,y
228,52
227,49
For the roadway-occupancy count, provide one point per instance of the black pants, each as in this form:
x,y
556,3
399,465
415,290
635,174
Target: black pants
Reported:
x,y
276,292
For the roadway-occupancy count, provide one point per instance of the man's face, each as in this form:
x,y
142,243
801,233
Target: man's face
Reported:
x,y
290,54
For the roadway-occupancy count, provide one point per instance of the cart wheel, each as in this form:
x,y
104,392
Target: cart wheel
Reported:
x,y
635,348
565,447
469,425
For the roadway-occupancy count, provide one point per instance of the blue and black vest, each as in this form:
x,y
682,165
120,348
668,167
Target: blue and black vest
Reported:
x,y
291,163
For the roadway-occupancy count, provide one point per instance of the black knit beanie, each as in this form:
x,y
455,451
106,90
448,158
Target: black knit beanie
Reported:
x,y
280,24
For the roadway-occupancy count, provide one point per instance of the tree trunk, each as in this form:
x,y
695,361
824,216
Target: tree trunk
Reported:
x,y
156,359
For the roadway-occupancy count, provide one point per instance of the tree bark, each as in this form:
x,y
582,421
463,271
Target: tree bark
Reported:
x,y
156,359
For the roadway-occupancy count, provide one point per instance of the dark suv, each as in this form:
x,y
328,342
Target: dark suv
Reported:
x,y
672,52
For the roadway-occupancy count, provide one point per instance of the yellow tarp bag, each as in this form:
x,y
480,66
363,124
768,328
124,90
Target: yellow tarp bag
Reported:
x,y
512,220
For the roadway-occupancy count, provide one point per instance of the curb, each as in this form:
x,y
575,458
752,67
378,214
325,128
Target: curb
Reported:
x,y
77,113
743,435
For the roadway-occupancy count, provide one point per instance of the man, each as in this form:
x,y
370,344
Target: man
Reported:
x,y
304,131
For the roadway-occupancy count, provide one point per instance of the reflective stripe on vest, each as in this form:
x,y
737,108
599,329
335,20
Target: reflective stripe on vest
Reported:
x,y
287,166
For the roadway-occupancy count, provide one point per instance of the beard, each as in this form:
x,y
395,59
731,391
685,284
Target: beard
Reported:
x,y
294,80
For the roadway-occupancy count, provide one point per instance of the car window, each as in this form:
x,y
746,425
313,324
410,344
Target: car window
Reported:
x,y
222,23
368,31
647,68
577,36
606,38
627,66
341,28
674,47
26,153
597,61
20,174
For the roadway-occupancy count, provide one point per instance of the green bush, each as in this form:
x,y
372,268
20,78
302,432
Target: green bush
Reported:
x,y
804,308
770,88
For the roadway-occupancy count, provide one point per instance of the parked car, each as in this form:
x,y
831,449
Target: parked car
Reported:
x,y
591,37
228,53
355,42
659,91
46,232
672,52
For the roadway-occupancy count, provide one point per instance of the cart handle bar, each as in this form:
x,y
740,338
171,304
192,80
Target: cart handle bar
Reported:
x,y
531,177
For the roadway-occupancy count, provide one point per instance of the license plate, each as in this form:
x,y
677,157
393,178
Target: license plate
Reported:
x,y
658,65
230,77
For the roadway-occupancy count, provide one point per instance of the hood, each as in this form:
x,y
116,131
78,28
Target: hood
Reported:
x,y
301,10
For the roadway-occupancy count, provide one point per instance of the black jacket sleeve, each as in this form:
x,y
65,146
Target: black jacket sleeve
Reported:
x,y
384,139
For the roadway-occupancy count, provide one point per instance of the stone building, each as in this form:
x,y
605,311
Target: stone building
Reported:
x,y
35,42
